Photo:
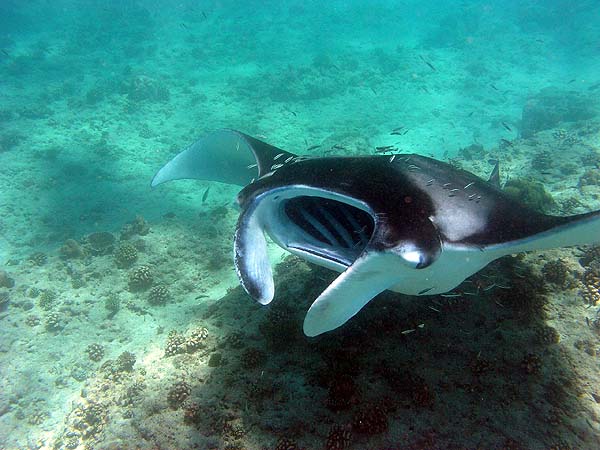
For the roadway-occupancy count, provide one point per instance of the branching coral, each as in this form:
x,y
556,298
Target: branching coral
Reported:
x,y
125,362
119,369
90,419
591,287
47,299
142,88
196,339
32,320
234,339
140,278
178,393
158,295
192,414
95,352
339,438
286,444
53,322
176,344
126,255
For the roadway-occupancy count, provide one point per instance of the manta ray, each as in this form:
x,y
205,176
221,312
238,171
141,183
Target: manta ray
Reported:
x,y
402,222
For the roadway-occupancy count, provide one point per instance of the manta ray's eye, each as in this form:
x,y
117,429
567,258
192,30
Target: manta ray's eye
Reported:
x,y
414,256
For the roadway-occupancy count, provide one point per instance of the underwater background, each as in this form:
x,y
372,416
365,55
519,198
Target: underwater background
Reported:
x,y
122,325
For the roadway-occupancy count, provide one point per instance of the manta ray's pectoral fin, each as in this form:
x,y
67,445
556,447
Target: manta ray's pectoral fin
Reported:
x,y
251,257
372,273
226,156
582,229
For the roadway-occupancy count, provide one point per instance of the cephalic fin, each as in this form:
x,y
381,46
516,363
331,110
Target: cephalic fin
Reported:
x,y
251,258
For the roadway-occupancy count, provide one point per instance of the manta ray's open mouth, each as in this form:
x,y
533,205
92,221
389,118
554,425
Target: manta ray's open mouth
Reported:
x,y
330,229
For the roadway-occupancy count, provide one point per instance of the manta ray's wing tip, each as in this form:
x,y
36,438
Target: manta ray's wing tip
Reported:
x,y
267,292
312,326
369,275
155,180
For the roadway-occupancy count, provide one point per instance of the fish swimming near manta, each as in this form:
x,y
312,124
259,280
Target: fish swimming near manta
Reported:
x,y
407,223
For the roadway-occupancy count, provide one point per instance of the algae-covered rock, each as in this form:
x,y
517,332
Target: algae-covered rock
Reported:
x,y
125,362
591,177
38,258
112,303
5,280
100,243
142,88
4,300
472,152
10,141
72,250
215,359
138,226
551,106
530,193
556,272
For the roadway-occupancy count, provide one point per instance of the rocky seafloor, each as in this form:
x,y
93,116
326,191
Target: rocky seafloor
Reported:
x,y
139,337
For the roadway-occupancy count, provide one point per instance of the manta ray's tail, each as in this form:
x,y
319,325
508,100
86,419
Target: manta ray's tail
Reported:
x,y
226,156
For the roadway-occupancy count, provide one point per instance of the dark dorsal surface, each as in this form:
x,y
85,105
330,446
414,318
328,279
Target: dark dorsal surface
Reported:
x,y
408,193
